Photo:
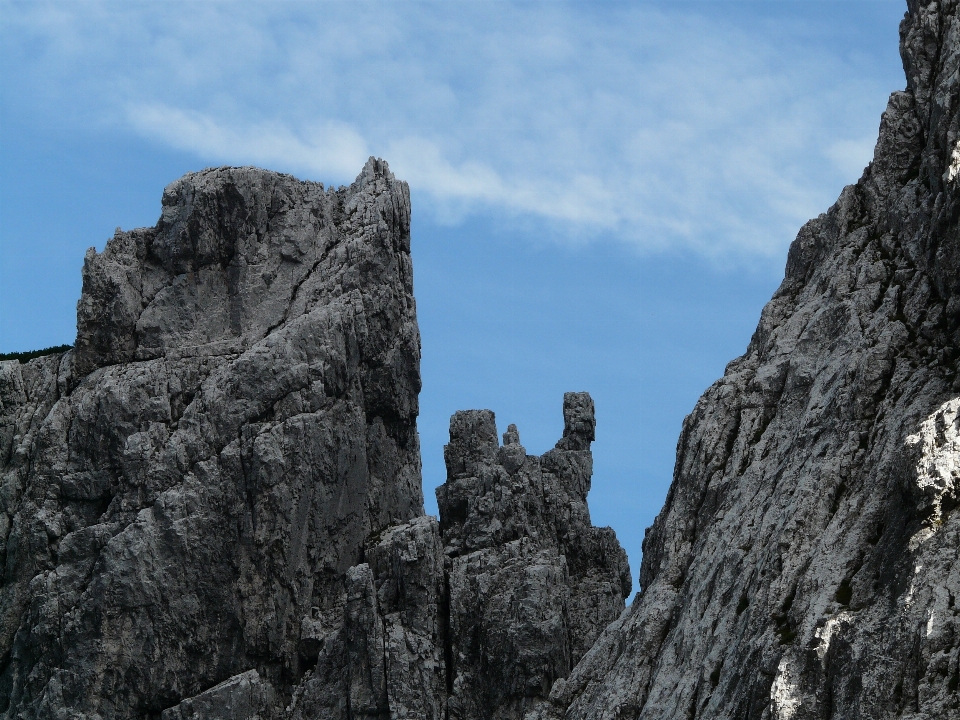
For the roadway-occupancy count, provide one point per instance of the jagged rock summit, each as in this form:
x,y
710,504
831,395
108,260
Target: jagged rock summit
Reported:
x,y
806,563
198,475
476,616
531,582
212,505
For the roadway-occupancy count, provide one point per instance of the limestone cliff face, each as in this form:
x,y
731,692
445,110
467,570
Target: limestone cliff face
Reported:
x,y
195,479
806,563
212,508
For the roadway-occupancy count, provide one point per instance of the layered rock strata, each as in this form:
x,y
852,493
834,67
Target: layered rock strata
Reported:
x,y
198,475
805,564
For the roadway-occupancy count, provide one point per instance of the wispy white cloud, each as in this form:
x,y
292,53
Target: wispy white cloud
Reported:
x,y
330,147
850,156
338,150
652,125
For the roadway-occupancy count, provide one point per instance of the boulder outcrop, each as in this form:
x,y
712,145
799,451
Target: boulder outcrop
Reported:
x,y
805,564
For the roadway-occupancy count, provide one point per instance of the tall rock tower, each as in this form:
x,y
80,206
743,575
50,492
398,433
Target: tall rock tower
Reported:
x,y
190,485
212,505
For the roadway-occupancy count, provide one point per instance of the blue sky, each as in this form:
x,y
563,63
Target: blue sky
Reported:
x,y
603,192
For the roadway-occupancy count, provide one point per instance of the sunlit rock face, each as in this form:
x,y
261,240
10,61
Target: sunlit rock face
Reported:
x,y
212,505
187,490
806,563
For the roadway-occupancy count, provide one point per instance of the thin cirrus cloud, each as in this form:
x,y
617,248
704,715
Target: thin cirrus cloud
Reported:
x,y
664,128
330,148
338,150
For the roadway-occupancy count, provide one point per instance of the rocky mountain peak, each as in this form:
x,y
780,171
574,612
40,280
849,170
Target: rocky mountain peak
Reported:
x,y
805,563
188,488
212,505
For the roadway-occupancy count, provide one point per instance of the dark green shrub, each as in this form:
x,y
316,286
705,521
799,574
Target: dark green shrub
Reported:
x,y
31,354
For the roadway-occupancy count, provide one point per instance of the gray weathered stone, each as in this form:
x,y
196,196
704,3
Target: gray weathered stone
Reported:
x,y
200,473
212,505
479,624
386,659
805,564
407,562
531,582
242,697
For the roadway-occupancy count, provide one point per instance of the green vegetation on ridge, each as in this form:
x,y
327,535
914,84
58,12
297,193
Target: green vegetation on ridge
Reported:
x,y
31,354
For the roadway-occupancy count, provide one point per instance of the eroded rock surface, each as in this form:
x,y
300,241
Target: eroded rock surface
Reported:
x,y
475,617
211,507
185,493
805,564
531,582
386,658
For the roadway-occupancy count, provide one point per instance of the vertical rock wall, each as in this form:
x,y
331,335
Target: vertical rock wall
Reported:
x,y
190,485
211,507
805,564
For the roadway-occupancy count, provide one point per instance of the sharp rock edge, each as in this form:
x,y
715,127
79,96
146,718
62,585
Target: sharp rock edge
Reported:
x,y
805,564
212,508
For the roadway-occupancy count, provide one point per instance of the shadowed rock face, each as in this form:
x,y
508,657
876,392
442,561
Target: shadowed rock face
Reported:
x,y
474,618
191,484
531,582
805,564
386,658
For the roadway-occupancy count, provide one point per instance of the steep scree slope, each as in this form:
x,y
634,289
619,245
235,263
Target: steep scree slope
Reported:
x,y
805,564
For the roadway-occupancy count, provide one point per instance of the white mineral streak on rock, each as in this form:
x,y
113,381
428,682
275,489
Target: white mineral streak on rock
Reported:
x,y
908,597
825,633
954,168
783,693
919,538
938,469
